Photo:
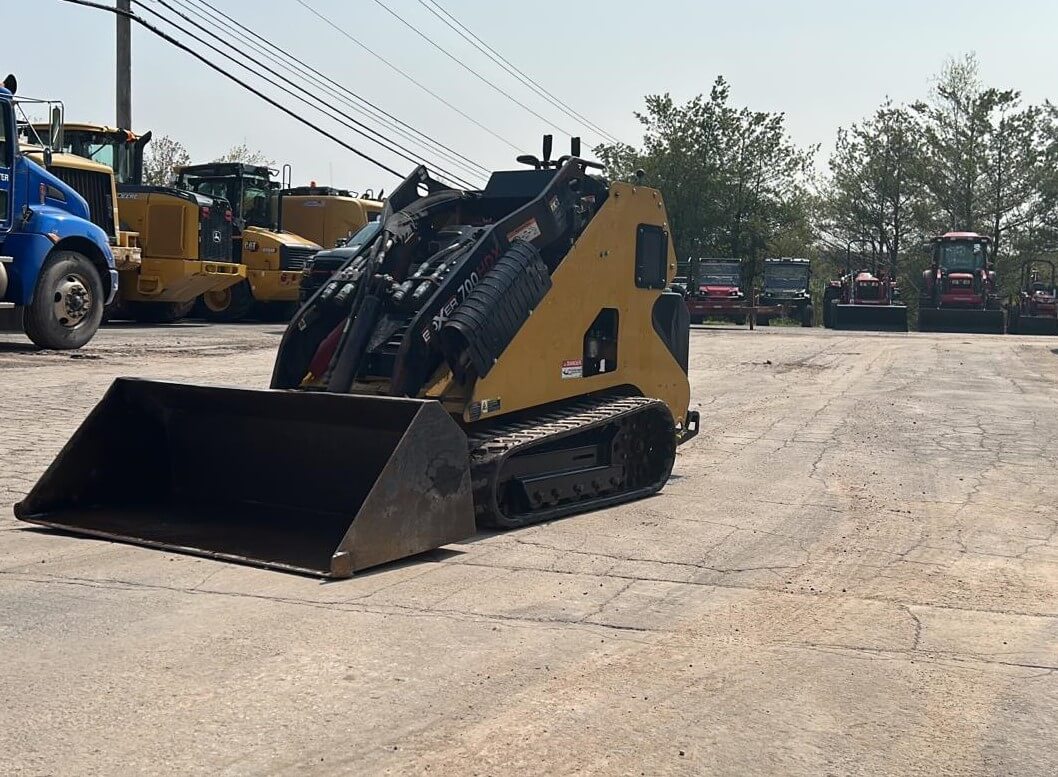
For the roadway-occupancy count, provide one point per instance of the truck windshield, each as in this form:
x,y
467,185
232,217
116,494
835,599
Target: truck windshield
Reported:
x,y
115,152
962,256
785,276
716,274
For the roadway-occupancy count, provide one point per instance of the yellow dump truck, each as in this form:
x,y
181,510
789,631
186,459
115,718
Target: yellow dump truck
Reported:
x,y
274,258
185,238
326,215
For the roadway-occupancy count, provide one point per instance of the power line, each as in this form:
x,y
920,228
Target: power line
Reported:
x,y
468,35
343,119
408,77
311,74
466,67
204,60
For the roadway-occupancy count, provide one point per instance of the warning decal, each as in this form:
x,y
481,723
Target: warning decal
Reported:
x,y
528,231
572,368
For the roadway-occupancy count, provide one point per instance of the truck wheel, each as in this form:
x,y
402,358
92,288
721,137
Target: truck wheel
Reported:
x,y
158,312
738,320
763,321
807,316
277,312
67,305
230,304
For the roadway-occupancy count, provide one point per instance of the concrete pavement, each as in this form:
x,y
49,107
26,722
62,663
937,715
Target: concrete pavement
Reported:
x,y
853,571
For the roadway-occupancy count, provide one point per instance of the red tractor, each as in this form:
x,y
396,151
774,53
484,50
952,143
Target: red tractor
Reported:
x,y
866,299
1034,311
959,292
714,290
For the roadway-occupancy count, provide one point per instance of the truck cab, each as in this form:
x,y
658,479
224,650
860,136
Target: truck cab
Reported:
x,y
57,270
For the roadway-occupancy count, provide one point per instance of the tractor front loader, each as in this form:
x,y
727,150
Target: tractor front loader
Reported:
x,y
1034,309
864,299
489,358
959,289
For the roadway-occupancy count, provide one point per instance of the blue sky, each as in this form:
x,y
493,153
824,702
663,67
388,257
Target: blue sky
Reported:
x,y
824,63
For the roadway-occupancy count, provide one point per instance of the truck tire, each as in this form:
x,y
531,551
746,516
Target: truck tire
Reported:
x,y
763,321
807,316
230,304
67,305
158,312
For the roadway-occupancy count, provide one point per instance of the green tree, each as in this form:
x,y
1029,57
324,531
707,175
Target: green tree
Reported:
x,y
160,158
957,127
243,153
874,191
734,183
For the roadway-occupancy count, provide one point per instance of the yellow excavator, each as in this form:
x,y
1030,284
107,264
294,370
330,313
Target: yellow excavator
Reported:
x,y
489,358
326,215
185,237
274,257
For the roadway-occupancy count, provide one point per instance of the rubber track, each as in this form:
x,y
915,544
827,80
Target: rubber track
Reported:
x,y
491,446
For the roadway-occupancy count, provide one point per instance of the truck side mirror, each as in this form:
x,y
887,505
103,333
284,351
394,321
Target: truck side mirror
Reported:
x,y
56,128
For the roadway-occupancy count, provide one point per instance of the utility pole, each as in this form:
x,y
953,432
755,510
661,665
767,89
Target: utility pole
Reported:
x,y
124,64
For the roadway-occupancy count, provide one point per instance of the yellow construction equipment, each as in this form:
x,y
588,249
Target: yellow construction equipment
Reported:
x,y
498,357
326,215
185,237
94,181
274,258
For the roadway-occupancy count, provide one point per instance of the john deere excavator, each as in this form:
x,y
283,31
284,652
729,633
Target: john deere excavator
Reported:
x,y
274,257
498,357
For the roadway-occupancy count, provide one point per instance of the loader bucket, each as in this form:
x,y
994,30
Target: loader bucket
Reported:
x,y
325,484
870,318
1035,325
971,320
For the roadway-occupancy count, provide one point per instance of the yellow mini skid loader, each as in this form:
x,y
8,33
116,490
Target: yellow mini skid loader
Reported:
x,y
493,358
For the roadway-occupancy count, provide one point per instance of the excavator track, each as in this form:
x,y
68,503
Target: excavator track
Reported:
x,y
576,456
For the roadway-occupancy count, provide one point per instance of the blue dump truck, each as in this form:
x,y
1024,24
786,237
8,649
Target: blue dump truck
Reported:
x,y
56,268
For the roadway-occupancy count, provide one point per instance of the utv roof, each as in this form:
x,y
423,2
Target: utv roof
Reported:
x,y
787,260
721,260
